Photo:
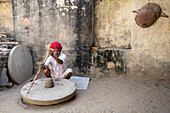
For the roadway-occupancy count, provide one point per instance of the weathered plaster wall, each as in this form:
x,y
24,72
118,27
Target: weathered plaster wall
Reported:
x,y
65,21
108,63
143,50
150,46
112,33
6,20
113,23
126,47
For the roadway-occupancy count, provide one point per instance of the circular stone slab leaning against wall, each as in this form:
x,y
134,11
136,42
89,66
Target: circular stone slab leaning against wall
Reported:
x,y
20,64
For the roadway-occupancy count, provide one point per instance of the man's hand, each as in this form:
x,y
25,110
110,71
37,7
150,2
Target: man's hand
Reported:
x,y
50,52
42,66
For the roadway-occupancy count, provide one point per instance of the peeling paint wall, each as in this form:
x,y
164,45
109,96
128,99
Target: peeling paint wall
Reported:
x,y
6,20
65,21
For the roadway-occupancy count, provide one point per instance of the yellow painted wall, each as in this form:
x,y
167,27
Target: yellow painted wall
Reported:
x,y
6,20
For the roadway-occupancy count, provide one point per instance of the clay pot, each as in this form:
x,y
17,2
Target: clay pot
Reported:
x,y
148,14
49,83
154,7
145,18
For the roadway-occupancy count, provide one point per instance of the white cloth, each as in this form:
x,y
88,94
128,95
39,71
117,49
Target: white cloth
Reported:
x,y
66,72
58,70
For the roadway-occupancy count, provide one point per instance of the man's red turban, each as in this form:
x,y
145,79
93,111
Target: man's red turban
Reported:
x,y
56,45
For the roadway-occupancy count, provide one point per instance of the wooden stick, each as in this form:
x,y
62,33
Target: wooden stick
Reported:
x,y
10,38
10,43
37,74
4,50
3,39
3,33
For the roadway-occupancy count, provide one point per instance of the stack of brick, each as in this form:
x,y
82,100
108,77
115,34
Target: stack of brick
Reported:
x,y
6,44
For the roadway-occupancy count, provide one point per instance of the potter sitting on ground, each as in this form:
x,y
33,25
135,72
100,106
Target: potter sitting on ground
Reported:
x,y
57,60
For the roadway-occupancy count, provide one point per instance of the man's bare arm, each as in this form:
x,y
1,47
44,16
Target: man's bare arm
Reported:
x,y
58,60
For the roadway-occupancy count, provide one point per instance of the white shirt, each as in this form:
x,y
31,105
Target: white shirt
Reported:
x,y
56,69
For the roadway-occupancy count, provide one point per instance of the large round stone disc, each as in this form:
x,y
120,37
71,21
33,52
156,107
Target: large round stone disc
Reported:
x,y
20,64
40,95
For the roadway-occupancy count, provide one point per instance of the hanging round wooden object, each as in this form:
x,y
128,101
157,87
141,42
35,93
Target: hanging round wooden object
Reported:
x,y
20,64
62,91
145,18
154,7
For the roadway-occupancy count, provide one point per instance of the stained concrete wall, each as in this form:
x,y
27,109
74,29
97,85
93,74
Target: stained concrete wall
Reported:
x,y
65,21
6,19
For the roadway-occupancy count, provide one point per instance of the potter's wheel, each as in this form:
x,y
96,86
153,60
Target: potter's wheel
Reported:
x,y
62,91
